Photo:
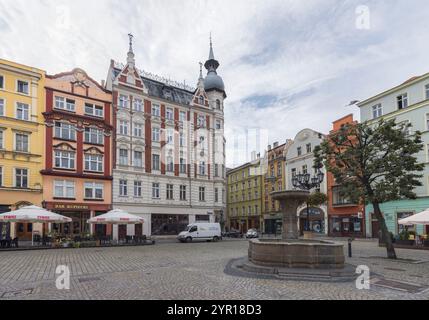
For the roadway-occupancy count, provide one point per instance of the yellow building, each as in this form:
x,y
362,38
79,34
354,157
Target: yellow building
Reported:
x,y
22,102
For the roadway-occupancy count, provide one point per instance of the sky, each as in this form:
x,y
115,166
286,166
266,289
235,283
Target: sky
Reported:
x,y
287,64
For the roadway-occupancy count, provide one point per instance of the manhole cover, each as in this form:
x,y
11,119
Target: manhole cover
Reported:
x,y
18,293
399,285
89,279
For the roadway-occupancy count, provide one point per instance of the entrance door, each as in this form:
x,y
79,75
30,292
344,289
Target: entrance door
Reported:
x,y
375,226
139,230
24,231
122,231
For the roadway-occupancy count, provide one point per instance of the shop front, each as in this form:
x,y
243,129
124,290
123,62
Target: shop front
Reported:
x,y
80,214
346,226
168,224
273,223
313,219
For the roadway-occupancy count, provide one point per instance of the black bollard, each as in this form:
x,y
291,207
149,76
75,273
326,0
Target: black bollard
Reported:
x,y
350,248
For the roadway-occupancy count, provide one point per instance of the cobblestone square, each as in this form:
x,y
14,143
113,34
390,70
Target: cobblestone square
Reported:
x,y
170,270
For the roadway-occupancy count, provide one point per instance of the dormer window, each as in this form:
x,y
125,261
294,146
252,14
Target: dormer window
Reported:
x,y
299,151
201,100
402,101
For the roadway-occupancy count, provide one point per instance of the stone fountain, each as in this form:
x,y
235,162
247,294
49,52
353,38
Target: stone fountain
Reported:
x,y
291,257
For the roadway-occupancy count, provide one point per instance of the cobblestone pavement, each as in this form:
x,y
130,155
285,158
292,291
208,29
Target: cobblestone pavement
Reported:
x,y
192,271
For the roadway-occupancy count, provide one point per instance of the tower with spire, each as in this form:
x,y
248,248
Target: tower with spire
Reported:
x,y
213,82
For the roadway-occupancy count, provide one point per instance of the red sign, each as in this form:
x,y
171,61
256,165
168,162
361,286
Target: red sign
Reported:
x,y
9,217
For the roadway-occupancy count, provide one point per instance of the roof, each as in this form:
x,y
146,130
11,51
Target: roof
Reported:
x,y
164,91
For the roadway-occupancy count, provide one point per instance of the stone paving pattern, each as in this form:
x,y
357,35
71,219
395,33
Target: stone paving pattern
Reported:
x,y
191,271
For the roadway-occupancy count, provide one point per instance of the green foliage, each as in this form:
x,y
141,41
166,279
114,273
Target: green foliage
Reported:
x,y
373,162
317,199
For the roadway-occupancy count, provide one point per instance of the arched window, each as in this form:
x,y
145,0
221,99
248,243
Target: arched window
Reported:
x,y
218,104
201,100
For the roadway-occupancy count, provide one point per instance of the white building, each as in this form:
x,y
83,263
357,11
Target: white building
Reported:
x,y
408,102
170,148
300,159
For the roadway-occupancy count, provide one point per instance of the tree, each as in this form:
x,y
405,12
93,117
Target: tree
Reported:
x,y
374,164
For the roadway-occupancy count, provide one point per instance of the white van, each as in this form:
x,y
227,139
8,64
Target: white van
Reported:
x,y
201,232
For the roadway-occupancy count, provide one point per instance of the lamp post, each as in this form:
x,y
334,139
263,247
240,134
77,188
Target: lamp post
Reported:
x,y
304,181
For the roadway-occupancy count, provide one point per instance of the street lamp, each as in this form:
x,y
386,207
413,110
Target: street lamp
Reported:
x,y
303,181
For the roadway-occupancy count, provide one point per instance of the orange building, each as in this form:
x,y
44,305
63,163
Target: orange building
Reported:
x,y
346,219
77,180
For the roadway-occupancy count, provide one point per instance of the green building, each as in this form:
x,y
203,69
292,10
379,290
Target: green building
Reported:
x,y
245,196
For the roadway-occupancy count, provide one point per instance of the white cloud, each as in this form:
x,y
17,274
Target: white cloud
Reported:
x,y
306,54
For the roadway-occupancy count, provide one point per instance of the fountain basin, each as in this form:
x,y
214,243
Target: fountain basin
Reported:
x,y
310,254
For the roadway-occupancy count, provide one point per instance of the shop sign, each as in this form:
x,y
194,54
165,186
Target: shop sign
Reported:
x,y
311,212
71,207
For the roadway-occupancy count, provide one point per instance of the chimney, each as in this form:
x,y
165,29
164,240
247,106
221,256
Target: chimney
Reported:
x,y
276,144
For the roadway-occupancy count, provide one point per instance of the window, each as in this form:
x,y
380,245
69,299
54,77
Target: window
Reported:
x,y
21,142
138,189
202,143
123,101
138,105
169,114
123,157
21,178
279,169
138,158
155,162
427,121
65,131
216,194
402,101
377,111
138,130
293,171
170,191
123,188
1,139
202,194
182,165
155,134
299,151
123,127
156,111
1,82
93,110
94,190
170,164
94,136
22,87
155,190
182,193
201,100
338,198
218,104
2,107
201,121
22,111
1,176
202,168
65,104
218,125
64,159
182,139
308,147
64,189
182,116
170,133
94,162
216,171
304,169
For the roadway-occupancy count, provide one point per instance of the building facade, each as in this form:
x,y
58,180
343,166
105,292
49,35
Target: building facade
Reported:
x,y
274,180
408,102
345,219
300,159
169,147
244,202
77,178
21,153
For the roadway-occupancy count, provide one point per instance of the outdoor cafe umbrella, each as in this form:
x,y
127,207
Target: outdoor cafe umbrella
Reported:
x,y
33,214
116,216
419,218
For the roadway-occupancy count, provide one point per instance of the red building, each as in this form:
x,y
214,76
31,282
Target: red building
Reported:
x,y
346,219
77,180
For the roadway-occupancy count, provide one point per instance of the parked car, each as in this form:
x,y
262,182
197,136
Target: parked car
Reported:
x,y
232,234
252,233
201,232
